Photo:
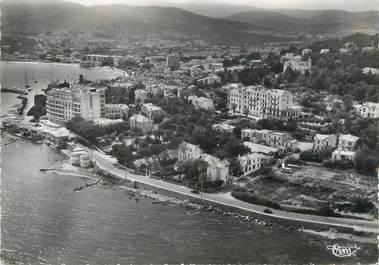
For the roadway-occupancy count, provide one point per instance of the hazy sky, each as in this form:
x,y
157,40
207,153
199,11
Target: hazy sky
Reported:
x,y
353,5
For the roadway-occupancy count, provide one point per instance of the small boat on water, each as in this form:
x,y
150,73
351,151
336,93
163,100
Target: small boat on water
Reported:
x,y
78,188
159,202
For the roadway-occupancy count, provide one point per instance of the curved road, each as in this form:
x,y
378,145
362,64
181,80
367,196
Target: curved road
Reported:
x,y
109,164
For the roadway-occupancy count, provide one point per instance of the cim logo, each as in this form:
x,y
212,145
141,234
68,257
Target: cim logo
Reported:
x,y
343,251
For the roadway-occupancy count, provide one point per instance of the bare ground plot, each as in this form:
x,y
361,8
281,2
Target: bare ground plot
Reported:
x,y
312,186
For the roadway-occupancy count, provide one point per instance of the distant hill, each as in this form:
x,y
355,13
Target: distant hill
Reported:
x,y
215,9
271,19
310,20
32,17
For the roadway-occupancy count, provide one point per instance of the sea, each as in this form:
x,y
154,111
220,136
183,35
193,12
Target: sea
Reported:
x,y
43,221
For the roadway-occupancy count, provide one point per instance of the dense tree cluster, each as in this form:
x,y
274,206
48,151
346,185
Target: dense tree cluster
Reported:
x,y
90,131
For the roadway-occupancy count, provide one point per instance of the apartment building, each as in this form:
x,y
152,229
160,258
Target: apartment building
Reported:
x,y
173,61
269,137
63,104
260,102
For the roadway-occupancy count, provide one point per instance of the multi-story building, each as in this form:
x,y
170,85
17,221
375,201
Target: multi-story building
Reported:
x,y
116,111
252,162
295,62
347,142
368,110
151,111
173,61
300,66
263,103
140,124
63,104
100,60
323,141
269,137
187,151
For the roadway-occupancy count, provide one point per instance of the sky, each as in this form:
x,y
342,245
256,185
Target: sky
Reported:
x,y
350,5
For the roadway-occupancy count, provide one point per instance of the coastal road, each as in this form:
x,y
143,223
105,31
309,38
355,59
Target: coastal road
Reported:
x,y
109,164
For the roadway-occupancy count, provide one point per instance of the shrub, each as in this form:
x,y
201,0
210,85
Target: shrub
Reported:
x,y
343,164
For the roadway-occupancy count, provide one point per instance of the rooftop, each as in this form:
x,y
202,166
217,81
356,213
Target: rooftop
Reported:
x,y
260,148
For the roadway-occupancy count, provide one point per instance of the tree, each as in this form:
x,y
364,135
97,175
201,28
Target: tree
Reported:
x,y
235,168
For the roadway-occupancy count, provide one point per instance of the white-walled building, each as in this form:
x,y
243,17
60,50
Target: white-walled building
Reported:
x,y
263,103
295,62
223,127
300,66
217,170
347,142
368,110
100,60
340,154
63,104
252,162
269,137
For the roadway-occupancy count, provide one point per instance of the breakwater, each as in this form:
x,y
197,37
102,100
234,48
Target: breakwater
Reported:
x,y
233,211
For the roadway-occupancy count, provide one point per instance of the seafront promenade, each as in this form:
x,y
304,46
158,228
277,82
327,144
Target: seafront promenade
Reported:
x,y
109,164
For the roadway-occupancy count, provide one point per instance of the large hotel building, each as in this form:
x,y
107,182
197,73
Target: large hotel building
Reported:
x,y
261,102
63,104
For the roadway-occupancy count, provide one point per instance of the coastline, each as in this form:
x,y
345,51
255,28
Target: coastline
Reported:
x,y
243,210
137,191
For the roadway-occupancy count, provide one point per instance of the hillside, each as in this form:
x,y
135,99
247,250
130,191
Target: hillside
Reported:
x,y
271,19
310,21
34,17
215,9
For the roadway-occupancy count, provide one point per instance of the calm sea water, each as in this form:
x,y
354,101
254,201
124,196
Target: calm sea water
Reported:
x,y
44,221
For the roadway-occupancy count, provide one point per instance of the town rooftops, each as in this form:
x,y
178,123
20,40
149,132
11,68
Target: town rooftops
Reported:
x,y
260,148
322,136
252,156
223,126
152,107
140,118
185,145
349,137
214,162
